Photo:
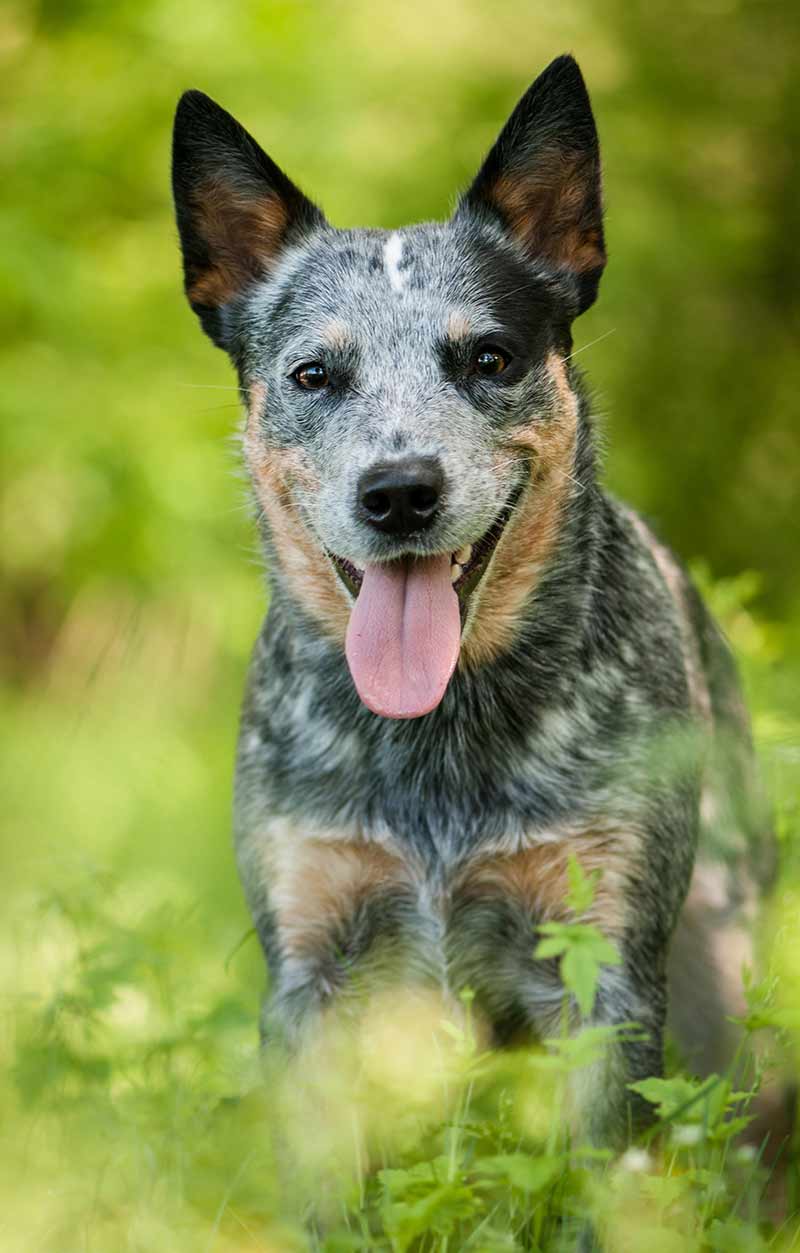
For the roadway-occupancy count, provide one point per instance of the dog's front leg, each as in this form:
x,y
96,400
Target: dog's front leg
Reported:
x,y
512,895
605,1112
330,906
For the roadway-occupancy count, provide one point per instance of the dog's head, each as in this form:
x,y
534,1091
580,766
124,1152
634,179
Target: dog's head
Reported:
x,y
411,426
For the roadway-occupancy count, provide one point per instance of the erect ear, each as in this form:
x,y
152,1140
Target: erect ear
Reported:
x,y
236,210
541,179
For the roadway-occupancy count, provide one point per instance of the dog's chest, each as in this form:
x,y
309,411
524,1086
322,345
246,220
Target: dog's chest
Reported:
x,y
345,906
442,795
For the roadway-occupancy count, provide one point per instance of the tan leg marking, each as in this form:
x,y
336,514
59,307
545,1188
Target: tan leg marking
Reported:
x,y
524,550
318,884
536,877
310,575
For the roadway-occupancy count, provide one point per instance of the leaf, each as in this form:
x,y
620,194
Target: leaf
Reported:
x,y
418,1179
604,952
438,1211
734,1236
528,1174
665,1190
580,971
727,1130
670,1096
581,886
584,1048
551,947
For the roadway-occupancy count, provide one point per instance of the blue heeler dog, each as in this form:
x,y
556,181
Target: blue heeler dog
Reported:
x,y
476,663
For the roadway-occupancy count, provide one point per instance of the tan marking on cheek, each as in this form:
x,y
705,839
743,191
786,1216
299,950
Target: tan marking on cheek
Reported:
x,y
256,399
458,325
275,472
317,885
244,235
537,878
529,540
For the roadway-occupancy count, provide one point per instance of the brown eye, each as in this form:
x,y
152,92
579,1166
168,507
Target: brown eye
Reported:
x,y
490,361
312,376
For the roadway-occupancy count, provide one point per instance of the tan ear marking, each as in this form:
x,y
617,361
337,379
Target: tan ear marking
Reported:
x,y
545,211
243,235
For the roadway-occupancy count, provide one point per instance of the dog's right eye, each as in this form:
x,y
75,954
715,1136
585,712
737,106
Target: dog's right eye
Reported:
x,y
490,361
312,376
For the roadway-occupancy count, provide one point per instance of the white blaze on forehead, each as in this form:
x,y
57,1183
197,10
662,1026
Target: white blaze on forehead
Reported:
x,y
392,255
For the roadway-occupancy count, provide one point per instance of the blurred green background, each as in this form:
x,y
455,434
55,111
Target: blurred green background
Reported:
x,y
131,586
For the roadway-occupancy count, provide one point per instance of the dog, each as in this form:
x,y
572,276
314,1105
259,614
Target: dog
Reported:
x,y
477,665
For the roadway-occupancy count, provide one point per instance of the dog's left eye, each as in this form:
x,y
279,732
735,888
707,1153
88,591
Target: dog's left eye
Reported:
x,y
490,361
311,376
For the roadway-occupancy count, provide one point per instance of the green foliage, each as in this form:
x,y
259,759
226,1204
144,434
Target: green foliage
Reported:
x,y
135,1069
582,948
430,1197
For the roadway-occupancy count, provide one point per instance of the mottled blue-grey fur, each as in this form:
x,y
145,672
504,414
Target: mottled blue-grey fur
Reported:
x,y
595,723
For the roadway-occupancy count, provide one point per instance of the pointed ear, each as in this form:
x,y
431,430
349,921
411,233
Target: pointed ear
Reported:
x,y
541,180
236,210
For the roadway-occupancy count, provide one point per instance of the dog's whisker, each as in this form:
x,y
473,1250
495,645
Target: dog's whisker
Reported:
x,y
519,459
591,343
565,474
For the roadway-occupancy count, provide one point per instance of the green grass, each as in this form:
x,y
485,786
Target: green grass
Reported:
x,y
136,1115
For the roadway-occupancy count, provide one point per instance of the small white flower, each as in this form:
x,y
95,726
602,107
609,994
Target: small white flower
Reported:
x,y
687,1133
636,1161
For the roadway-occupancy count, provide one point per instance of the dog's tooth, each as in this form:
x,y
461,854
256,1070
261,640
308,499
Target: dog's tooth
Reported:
x,y
463,555
455,572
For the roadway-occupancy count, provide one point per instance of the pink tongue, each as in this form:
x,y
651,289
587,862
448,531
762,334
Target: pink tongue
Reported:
x,y
404,636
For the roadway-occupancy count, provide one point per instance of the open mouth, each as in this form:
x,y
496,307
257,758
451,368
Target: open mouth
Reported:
x,y
467,565
404,635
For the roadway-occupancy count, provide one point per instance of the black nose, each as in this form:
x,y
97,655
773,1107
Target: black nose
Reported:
x,y
401,497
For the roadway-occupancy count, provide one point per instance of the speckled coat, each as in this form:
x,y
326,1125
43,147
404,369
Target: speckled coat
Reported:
x,y
594,710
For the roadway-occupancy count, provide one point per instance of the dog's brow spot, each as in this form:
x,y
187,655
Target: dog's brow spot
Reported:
x,y
392,255
458,325
335,334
